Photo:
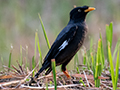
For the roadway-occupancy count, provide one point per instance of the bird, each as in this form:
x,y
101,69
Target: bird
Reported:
x,y
68,41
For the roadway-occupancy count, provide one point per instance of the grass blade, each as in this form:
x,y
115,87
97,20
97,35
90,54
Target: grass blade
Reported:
x,y
35,49
39,49
46,86
76,61
116,48
111,66
93,65
40,54
109,33
98,69
84,58
117,69
33,64
21,55
91,45
9,64
45,35
27,64
102,52
81,81
54,73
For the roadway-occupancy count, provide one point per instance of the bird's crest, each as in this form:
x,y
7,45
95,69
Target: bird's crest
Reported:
x,y
75,6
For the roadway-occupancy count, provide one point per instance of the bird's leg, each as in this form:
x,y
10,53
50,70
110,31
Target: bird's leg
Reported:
x,y
67,75
64,70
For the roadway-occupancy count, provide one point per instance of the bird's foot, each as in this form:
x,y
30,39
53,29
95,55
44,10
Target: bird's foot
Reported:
x,y
67,75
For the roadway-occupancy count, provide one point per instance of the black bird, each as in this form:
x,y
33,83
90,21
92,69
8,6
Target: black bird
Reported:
x,y
68,42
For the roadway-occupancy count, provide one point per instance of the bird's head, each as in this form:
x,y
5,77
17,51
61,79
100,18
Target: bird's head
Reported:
x,y
79,13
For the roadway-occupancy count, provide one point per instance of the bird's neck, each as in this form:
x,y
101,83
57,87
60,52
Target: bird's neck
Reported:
x,y
79,20
76,21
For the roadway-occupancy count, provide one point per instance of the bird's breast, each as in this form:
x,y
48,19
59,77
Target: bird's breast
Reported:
x,y
81,34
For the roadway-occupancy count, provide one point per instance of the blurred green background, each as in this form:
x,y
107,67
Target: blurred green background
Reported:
x,y
19,21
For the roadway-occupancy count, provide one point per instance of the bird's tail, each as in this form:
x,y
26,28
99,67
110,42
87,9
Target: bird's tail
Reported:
x,y
42,68
37,74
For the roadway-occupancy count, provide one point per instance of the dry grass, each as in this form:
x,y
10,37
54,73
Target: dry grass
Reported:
x,y
21,80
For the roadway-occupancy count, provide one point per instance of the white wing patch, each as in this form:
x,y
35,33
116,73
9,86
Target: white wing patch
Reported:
x,y
64,44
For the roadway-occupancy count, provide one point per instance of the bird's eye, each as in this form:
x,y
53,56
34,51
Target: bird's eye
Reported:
x,y
79,10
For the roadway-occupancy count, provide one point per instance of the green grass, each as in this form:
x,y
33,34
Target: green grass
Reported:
x,y
81,81
98,57
43,28
46,86
114,75
37,46
39,49
97,63
10,56
102,53
86,58
76,61
54,73
21,57
35,51
27,64
98,66
9,64
109,35
33,64
116,48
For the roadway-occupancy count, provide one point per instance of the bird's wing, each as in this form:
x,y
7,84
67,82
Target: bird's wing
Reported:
x,y
61,42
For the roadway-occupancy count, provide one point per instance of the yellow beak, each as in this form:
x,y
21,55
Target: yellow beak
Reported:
x,y
90,9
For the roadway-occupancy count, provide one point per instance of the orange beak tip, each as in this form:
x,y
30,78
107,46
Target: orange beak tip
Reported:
x,y
90,9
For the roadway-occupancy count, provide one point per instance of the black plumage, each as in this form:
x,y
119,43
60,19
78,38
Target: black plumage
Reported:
x,y
68,42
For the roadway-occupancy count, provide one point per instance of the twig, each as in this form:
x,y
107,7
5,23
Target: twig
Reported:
x,y
106,86
2,87
52,87
29,74
62,85
19,82
20,67
86,78
10,83
16,69
91,83
10,69
46,76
